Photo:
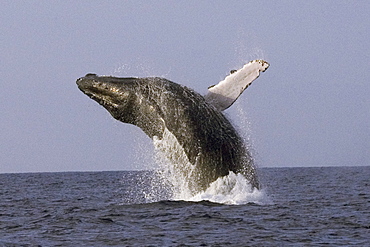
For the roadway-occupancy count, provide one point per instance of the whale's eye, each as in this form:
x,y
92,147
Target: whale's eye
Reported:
x,y
232,71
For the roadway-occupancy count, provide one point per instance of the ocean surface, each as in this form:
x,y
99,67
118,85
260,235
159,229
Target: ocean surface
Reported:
x,y
328,206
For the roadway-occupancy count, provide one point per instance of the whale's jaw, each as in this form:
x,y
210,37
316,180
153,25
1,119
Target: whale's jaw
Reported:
x,y
122,98
107,94
113,95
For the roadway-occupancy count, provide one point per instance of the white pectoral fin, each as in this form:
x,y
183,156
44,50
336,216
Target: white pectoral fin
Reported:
x,y
224,94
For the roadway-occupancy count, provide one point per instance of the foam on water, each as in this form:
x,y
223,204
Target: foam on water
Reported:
x,y
232,189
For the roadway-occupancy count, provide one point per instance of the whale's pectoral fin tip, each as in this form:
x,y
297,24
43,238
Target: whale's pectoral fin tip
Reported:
x,y
263,63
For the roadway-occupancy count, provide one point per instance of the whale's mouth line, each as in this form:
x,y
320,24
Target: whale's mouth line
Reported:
x,y
99,91
102,100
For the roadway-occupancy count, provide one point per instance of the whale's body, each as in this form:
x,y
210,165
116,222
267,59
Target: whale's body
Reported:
x,y
157,105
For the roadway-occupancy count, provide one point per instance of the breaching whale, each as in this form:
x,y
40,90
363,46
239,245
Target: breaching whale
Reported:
x,y
158,106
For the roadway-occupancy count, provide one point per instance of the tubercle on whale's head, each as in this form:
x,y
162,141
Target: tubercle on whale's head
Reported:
x,y
114,94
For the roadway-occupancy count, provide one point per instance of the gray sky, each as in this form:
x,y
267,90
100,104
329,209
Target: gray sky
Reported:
x,y
310,108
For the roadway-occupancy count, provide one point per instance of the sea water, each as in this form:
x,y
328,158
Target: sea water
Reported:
x,y
322,206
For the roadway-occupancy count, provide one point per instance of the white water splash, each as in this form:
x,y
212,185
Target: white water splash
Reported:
x,y
232,189
175,172
174,166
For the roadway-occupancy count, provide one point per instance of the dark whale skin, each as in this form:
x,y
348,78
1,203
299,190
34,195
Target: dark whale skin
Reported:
x,y
207,137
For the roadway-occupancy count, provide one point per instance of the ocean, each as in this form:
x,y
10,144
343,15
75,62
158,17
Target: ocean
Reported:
x,y
321,206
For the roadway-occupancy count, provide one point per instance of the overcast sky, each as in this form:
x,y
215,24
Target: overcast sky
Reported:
x,y
310,108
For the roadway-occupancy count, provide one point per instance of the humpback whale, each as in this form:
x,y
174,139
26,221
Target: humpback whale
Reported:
x,y
158,106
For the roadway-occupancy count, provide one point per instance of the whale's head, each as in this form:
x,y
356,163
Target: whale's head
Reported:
x,y
125,100
117,95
